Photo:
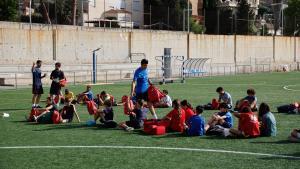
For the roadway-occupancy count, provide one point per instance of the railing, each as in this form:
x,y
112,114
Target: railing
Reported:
x,y
14,80
10,80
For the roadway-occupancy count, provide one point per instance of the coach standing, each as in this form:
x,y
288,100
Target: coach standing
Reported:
x,y
56,76
37,87
140,85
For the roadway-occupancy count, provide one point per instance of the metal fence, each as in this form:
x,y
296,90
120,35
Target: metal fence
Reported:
x,y
15,80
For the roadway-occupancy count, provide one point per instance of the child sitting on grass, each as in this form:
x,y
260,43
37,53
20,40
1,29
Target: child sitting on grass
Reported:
x,y
174,120
106,115
136,117
248,125
267,121
68,111
249,100
187,107
103,96
224,97
86,95
68,95
195,125
46,115
222,118
164,102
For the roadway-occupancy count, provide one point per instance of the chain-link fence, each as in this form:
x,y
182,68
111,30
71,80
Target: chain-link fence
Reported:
x,y
21,79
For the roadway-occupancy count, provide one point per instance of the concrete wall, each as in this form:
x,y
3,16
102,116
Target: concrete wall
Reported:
x,y
219,48
251,49
21,46
73,46
76,46
153,43
284,49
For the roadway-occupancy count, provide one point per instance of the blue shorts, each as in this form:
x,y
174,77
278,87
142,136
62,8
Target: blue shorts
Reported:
x,y
226,125
37,89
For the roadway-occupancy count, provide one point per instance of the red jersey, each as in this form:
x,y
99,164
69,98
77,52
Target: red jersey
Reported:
x,y
249,124
188,113
177,120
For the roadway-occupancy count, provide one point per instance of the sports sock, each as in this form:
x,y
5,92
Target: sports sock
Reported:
x,y
155,116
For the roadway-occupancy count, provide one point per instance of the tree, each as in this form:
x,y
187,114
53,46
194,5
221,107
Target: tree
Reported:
x,y
44,12
226,22
159,13
244,18
195,27
74,8
9,10
292,18
210,7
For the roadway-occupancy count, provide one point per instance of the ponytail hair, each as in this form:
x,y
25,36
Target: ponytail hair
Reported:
x,y
263,109
176,105
186,103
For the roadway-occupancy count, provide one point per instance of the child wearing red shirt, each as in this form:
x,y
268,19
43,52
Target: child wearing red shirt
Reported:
x,y
248,124
189,112
175,120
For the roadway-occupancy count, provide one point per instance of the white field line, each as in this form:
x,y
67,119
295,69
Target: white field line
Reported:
x,y
287,88
154,148
235,84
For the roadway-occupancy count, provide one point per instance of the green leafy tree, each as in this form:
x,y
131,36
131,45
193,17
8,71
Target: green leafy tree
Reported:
x,y
9,10
292,18
226,22
159,13
245,17
196,28
210,7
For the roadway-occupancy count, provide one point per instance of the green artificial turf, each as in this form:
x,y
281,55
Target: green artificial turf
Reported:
x,y
269,87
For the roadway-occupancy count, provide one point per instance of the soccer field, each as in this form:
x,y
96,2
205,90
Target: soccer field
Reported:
x,y
26,145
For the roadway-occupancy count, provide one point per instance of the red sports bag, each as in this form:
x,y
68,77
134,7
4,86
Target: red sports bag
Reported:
x,y
128,105
154,127
63,82
56,117
215,104
154,94
56,99
91,107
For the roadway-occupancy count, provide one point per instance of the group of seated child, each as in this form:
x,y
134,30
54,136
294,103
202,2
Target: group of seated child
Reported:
x,y
252,121
51,113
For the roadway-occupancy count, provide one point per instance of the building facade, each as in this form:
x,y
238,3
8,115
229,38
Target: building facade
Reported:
x,y
123,10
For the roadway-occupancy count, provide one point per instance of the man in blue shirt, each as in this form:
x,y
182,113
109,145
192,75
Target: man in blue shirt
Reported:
x,y
37,87
140,85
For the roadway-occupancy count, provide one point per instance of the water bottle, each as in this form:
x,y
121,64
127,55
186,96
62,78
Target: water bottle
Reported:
x,y
5,115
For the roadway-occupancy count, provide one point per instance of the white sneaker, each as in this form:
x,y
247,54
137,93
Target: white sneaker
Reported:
x,y
65,121
226,132
129,129
35,118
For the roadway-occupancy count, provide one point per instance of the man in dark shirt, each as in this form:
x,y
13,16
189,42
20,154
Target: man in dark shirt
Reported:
x,y
37,87
56,76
